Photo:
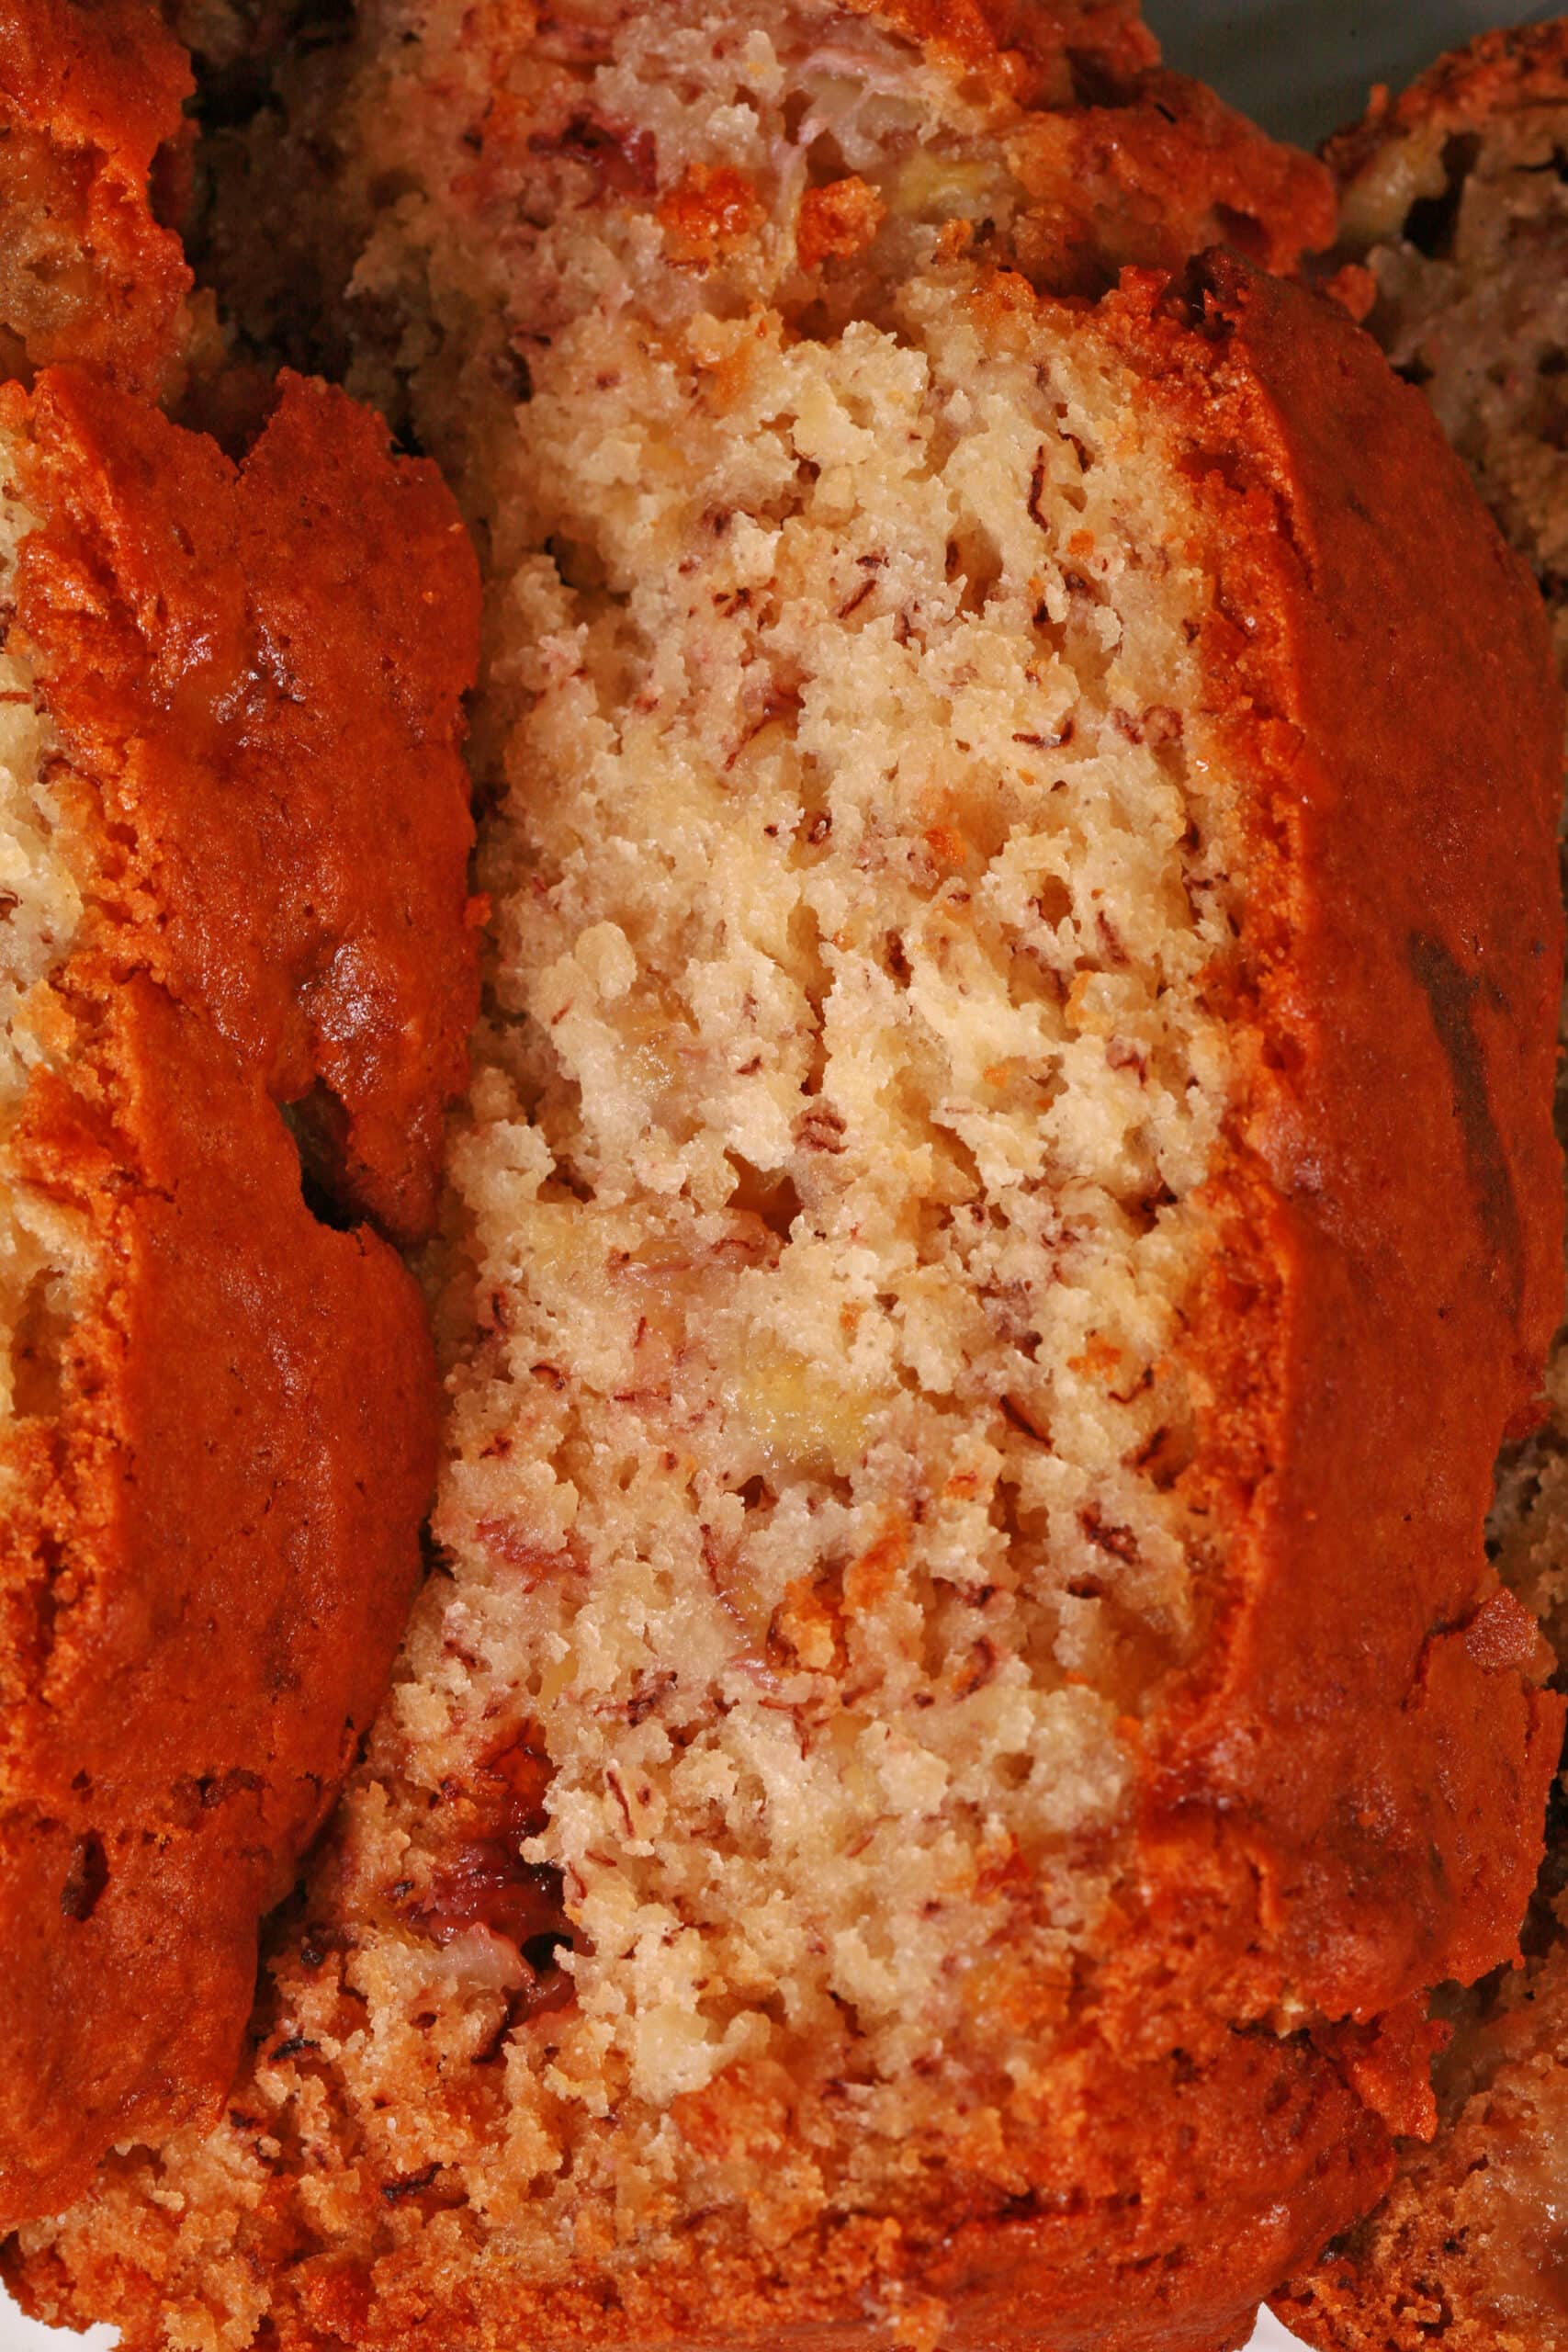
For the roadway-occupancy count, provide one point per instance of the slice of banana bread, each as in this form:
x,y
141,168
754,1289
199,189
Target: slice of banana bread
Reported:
x,y
1456,200
234,837
234,843
962,1708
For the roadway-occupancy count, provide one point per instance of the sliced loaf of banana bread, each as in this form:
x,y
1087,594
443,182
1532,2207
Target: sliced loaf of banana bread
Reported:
x,y
1007,1201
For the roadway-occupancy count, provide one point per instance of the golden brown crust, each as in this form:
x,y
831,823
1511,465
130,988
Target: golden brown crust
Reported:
x,y
216,1500
89,96
1145,173
1400,955
1440,188
1139,167
237,1527
268,735
1033,40
1345,1801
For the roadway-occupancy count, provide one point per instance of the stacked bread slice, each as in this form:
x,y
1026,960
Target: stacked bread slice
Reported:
x,y
1456,201
236,978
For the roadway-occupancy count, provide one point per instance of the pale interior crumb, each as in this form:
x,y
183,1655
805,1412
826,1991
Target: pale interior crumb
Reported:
x,y
40,914
830,1213
828,1199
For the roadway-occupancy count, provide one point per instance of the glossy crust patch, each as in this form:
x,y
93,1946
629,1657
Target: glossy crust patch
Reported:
x,y
218,1475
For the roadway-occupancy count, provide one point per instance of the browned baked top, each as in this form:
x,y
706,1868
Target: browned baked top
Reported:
x,y
1036,44
90,103
1128,163
225,1413
259,671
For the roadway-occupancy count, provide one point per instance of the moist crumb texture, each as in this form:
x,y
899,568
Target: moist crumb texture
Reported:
x,y
1454,200
796,1881
831,1285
